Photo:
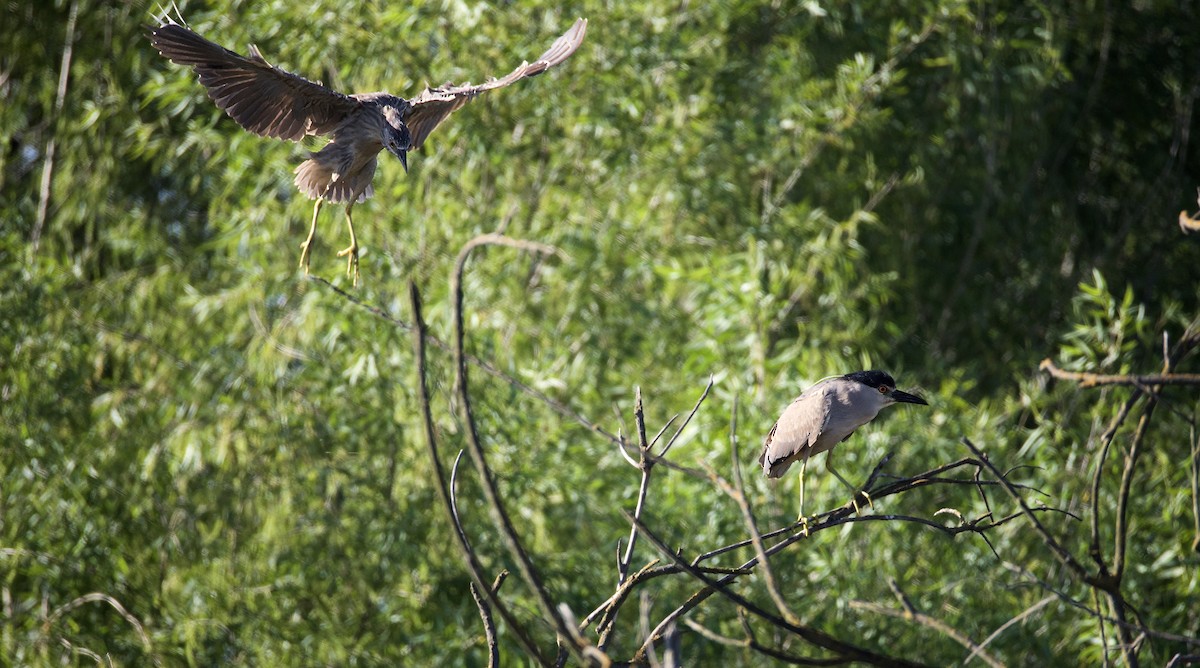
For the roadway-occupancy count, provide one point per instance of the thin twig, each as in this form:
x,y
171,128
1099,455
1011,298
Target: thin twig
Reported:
x,y
813,636
474,568
1005,626
739,495
1061,553
491,493
60,98
98,597
932,623
478,362
1087,380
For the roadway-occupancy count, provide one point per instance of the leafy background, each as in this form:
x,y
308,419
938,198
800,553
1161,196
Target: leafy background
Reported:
x,y
766,193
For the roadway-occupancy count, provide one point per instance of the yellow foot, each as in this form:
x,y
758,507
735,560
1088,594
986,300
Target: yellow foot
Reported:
x,y
803,522
351,261
304,253
854,501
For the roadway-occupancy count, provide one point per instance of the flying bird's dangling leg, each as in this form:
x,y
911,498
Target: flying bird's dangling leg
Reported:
x,y
352,250
856,492
306,247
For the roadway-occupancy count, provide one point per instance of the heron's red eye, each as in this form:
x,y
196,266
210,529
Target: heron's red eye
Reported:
x,y
883,389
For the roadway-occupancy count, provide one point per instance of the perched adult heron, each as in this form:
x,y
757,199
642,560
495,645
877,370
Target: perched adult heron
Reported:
x,y
271,102
823,416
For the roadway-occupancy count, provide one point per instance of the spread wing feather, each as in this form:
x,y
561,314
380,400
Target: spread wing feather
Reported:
x,y
262,98
433,105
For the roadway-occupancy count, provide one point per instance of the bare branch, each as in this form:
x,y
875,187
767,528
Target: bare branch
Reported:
x,y
1006,625
932,623
474,568
478,362
508,534
699,402
489,627
1060,552
97,597
739,495
1087,380
814,636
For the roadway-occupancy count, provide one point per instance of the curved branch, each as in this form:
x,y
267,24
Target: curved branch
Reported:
x,y
474,568
508,534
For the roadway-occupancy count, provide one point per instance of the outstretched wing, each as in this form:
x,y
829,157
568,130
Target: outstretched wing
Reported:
x,y
795,433
261,97
433,105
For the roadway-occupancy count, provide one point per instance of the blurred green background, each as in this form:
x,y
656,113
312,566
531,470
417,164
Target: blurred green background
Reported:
x,y
763,192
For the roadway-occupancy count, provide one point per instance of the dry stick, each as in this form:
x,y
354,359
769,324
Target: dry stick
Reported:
x,y
474,568
1195,460
646,461
813,636
1143,630
910,613
60,98
491,369
822,521
1087,380
1115,598
1061,553
500,515
1005,626
97,597
739,495
751,643
646,465
1094,548
489,627
480,363
485,611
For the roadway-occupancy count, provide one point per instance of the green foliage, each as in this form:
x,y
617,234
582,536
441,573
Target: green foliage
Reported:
x,y
767,193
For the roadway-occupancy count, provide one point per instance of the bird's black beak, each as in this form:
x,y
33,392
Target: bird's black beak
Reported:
x,y
404,160
906,398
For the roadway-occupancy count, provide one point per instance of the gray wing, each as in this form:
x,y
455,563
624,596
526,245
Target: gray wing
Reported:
x,y
261,97
795,432
433,105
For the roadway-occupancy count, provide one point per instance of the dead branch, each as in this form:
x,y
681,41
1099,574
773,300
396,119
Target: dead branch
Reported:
x,y
739,496
474,568
910,613
98,597
1088,380
478,362
500,516
813,636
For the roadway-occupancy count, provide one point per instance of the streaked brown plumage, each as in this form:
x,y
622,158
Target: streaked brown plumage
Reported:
x,y
271,102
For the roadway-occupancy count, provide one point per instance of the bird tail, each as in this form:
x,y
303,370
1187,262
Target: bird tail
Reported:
x,y
317,180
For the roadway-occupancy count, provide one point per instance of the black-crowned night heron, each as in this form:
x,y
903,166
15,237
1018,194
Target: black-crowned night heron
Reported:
x,y
271,102
823,416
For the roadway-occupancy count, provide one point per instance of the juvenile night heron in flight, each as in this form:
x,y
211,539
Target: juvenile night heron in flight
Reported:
x,y
271,102
823,416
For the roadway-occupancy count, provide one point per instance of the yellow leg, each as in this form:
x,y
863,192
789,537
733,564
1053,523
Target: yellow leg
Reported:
x,y
352,251
802,519
853,490
306,247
